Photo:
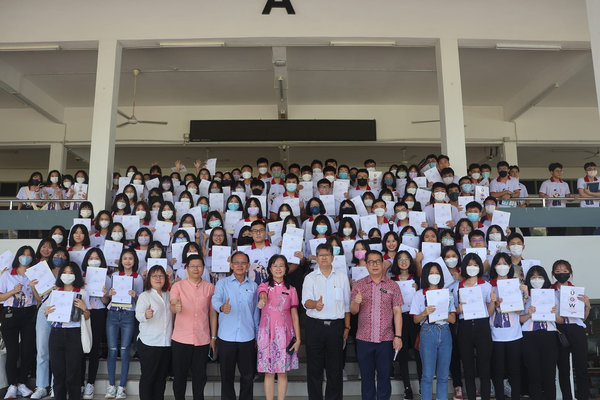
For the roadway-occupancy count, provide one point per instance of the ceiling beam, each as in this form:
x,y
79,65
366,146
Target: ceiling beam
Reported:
x,y
23,90
281,81
544,84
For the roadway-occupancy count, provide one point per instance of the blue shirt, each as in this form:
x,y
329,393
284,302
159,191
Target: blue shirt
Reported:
x,y
241,324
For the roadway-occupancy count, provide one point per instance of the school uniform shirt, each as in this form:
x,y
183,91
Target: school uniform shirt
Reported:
x,y
581,184
524,193
279,200
356,191
397,227
568,320
25,297
22,195
73,324
311,220
97,240
497,186
96,302
384,227
240,224
530,325
486,291
554,188
259,260
419,303
275,190
335,290
138,287
158,330
430,214
505,327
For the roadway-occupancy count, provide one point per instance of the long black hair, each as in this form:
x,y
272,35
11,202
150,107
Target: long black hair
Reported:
x,y
270,279
412,268
425,275
541,272
78,283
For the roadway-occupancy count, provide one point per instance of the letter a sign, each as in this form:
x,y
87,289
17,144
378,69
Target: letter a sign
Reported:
x,y
287,4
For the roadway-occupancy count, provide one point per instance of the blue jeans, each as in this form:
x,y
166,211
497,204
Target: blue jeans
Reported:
x,y
123,321
42,338
436,350
375,356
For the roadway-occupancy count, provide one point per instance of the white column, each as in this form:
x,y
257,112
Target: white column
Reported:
x,y
509,149
58,158
593,13
452,124
104,122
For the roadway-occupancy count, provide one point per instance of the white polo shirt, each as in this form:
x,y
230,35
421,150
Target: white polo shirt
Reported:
x,y
587,202
497,186
25,297
554,188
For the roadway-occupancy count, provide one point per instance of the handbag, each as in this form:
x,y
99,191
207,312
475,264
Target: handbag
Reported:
x,y
562,338
86,335
417,342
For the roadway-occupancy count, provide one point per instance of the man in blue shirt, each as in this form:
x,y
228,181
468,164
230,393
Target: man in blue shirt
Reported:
x,y
235,300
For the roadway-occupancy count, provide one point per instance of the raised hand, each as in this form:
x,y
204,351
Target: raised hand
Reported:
x,y
262,301
178,307
226,308
358,298
149,312
320,304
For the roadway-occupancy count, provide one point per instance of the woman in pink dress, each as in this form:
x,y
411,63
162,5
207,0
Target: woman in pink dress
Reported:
x,y
279,323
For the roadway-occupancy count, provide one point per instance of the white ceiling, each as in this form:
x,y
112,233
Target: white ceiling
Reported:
x,y
317,75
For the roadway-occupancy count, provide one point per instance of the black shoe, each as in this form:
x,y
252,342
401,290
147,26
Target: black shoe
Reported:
x,y
408,393
136,356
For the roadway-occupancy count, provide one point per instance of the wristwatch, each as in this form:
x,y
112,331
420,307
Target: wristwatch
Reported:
x,y
347,328
213,338
396,336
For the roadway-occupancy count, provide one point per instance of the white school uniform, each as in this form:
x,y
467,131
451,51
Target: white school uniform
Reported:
x,y
553,188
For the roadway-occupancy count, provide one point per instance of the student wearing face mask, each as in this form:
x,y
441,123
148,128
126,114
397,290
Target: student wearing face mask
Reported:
x,y
115,185
486,171
32,191
435,338
446,238
362,185
260,252
95,259
474,173
438,196
589,198
252,212
247,178
116,233
86,211
574,331
540,350
453,194
203,204
506,331
306,173
383,224
343,172
411,203
291,184
275,185
504,188
284,211
188,221
233,203
515,245
53,190
494,234
67,190
142,211
474,335
474,212
388,181
321,229
347,229
400,216
368,199
448,176
166,213
131,194
101,223
467,188
121,205
18,321
314,208
490,205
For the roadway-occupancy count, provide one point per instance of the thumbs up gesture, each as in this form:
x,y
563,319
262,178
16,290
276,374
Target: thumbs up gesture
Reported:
x,y
358,298
149,312
320,304
226,308
177,307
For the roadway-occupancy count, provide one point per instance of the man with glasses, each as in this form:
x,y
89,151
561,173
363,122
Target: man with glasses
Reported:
x,y
326,297
378,302
504,188
235,300
195,328
260,252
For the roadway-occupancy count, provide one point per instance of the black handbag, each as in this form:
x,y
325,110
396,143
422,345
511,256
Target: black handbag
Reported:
x,y
562,338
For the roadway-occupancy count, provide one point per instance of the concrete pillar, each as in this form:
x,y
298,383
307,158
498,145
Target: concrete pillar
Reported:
x,y
58,158
452,124
104,122
509,149
593,13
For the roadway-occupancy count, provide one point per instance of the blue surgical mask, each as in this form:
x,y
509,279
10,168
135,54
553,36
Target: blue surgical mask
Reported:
x,y
432,164
181,240
291,187
473,217
343,175
233,206
315,210
214,224
409,234
467,187
203,208
485,175
25,260
58,261
321,229
389,182
336,251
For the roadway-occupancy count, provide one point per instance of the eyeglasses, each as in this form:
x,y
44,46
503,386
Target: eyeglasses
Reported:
x,y
372,263
220,235
403,259
242,263
195,266
323,255
160,276
256,231
323,186
477,240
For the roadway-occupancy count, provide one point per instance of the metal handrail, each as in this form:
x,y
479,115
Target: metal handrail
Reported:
x,y
11,201
545,199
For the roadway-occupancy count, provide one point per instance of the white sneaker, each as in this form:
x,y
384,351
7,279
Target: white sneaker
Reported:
x,y
24,391
89,391
345,375
507,388
39,393
11,393
121,394
325,376
111,392
51,392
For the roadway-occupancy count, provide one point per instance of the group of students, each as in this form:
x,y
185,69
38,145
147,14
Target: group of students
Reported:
x,y
261,287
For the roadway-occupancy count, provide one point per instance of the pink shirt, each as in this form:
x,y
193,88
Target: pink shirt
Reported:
x,y
376,315
192,324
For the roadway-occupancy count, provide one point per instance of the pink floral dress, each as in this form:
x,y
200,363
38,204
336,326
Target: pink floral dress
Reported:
x,y
276,329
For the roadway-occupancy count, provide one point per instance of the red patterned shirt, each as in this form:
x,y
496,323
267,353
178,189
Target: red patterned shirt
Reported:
x,y
376,315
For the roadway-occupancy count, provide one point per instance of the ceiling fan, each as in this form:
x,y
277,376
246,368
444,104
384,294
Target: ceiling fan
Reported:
x,y
593,154
132,120
404,160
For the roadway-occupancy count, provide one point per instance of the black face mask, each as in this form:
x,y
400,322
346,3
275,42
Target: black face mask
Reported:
x,y
35,182
362,181
375,240
257,192
154,176
562,278
453,196
244,241
502,174
226,182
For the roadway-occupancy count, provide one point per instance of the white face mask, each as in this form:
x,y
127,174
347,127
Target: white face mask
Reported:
x,y
439,196
130,174
411,190
371,169
86,213
67,279
401,215
475,175
94,263
402,174
347,231
81,179
117,236
141,214
288,226
121,205
434,279
537,283
451,262
592,173
58,238
129,195
284,214
448,180
410,204
307,177
54,179
516,250
386,197
115,181
155,253
187,225
193,190
68,184
184,200
495,237
330,178
104,223
490,209
137,181
239,190
502,269
317,170
167,214
368,202
472,270
379,212
246,174
263,170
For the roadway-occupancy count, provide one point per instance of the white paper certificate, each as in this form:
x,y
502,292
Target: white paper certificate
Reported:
x,y
211,165
462,203
421,181
408,292
122,285
570,305
276,228
290,245
443,214
83,221
95,279
510,293
480,251
203,187
182,208
474,306
412,241
162,233
369,222
431,251
314,243
329,203
177,254
416,219
502,219
339,263
293,202
112,252
216,202
231,219
423,196
152,183
543,300
481,193
340,188
348,245
6,260
359,272
441,300
433,175
306,192
295,231
77,256
360,206
44,276
63,305
527,264
219,258
131,223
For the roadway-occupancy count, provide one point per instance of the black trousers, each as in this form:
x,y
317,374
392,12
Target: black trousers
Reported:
x,y
507,357
455,367
410,331
540,350
154,362
184,357
19,323
98,322
578,348
475,336
65,358
242,354
324,344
